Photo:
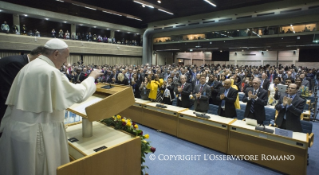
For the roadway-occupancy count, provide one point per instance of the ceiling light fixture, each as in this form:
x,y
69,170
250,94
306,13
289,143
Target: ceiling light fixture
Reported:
x,y
25,15
131,17
46,18
112,13
166,11
210,3
60,0
81,24
159,1
89,8
94,26
65,21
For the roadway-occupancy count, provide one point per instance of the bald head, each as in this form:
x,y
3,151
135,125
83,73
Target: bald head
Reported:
x,y
227,83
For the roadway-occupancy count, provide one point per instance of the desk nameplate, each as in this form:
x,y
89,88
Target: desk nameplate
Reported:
x,y
270,137
161,110
211,123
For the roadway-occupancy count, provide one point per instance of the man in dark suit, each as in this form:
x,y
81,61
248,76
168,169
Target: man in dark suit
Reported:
x,y
183,91
196,81
290,108
9,68
264,82
227,97
108,76
256,99
201,95
168,89
215,86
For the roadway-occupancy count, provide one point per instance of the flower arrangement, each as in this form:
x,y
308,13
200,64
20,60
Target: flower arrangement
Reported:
x,y
122,123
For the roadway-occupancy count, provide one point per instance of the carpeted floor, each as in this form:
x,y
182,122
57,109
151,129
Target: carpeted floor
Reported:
x,y
167,145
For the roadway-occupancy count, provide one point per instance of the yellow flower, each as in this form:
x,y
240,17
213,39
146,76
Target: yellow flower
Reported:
x,y
146,136
144,141
135,126
128,123
118,117
123,120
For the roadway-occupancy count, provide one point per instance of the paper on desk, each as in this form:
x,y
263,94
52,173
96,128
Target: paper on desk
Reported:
x,y
81,108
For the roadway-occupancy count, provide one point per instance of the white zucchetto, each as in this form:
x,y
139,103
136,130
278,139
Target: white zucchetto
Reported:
x,y
55,44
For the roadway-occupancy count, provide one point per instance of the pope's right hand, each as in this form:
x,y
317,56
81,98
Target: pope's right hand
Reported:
x,y
96,73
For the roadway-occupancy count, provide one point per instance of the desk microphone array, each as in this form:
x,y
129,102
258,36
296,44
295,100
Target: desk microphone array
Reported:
x,y
201,115
161,106
264,129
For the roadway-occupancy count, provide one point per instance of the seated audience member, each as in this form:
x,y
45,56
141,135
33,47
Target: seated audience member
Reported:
x,y
135,83
182,93
264,82
201,95
121,79
256,99
61,33
90,36
144,92
168,89
237,105
227,97
154,87
53,33
5,27
67,34
215,86
302,90
36,33
107,76
24,30
305,82
30,33
289,110
15,29
272,91
196,81
80,75
222,79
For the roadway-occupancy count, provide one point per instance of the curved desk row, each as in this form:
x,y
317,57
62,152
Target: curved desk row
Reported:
x,y
227,135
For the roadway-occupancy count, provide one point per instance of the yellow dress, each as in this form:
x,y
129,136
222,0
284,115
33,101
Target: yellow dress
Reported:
x,y
237,105
153,86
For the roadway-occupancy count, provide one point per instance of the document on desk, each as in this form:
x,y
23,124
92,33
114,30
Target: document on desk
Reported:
x,y
81,108
283,132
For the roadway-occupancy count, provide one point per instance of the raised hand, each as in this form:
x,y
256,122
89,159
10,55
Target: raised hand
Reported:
x,y
250,94
289,100
285,101
222,96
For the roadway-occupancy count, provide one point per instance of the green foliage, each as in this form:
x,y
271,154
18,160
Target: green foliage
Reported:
x,y
127,125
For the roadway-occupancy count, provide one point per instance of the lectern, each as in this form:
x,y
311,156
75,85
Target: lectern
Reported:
x,y
96,148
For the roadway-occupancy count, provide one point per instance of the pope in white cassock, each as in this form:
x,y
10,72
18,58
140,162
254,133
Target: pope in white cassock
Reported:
x,y
33,138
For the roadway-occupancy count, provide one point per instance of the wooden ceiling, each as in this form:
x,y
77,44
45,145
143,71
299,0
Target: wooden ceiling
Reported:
x,y
180,8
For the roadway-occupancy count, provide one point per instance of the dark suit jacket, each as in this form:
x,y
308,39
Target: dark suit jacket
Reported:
x,y
230,99
185,103
194,83
9,68
259,105
202,103
213,95
171,89
266,84
136,89
293,113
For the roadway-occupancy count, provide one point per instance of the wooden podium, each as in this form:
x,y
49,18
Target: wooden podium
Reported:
x,y
96,148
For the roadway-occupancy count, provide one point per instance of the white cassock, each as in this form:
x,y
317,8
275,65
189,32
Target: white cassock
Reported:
x,y
33,138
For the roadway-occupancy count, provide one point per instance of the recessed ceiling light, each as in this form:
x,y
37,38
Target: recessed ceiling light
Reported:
x,y
65,21
0,10
94,26
107,29
210,3
46,18
25,15
81,24
143,5
128,32
118,30
159,1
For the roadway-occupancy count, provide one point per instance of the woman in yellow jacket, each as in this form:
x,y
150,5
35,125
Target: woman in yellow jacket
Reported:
x,y
237,105
153,86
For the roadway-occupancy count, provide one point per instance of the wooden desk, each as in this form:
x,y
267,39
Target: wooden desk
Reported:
x,y
122,149
212,133
135,112
245,140
164,119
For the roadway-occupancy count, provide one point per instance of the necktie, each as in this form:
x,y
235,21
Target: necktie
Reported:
x,y
252,103
197,82
262,82
271,78
223,101
200,90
